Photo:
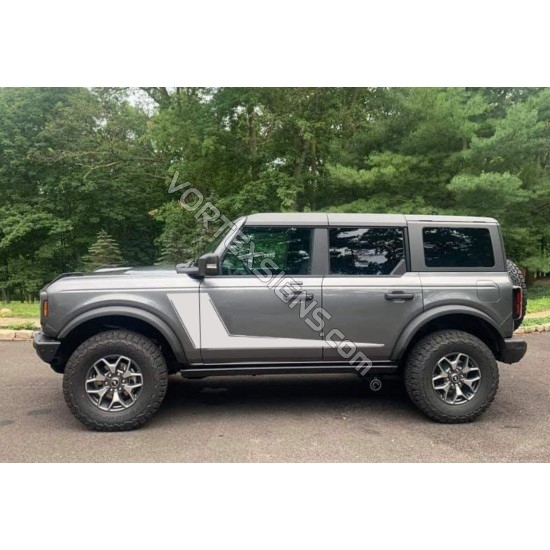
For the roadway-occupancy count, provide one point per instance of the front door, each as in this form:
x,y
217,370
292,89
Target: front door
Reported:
x,y
368,293
262,306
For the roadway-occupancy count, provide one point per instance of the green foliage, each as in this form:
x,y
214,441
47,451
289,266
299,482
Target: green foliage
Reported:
x,y
75,161
22,326
105,252
533,321
21,309
538,298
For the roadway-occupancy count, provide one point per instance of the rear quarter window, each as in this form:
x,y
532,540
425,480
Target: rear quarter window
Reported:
x,y
458,247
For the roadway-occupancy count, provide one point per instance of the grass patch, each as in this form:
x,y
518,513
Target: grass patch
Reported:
x,y
535,321
538,298
21,326
21,309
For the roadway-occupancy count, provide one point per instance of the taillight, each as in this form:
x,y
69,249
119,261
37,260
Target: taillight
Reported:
x,y
518,302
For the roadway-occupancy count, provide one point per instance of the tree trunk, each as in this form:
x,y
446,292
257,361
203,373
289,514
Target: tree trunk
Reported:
x,y
529,277
253,143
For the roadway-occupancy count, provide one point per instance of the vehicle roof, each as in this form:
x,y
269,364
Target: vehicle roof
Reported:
x,y
321,218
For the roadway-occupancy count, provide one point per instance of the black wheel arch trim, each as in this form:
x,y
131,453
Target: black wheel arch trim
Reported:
x,y
135,313
426,317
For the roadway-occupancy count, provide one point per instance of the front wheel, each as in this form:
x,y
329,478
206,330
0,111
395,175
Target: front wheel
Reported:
x,y
451,376
115,381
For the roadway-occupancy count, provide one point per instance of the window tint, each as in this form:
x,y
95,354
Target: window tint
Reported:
x,y
458,247
365,250
286,247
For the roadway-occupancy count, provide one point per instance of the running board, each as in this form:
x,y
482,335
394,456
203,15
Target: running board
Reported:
x,y
209,370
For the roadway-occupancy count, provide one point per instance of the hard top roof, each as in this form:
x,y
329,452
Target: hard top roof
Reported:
x,y
320,218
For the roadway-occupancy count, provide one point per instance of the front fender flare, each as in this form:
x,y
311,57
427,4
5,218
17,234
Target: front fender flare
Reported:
x,y
135,313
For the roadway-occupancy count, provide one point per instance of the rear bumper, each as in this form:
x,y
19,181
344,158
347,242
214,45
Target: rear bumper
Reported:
x,y
513,350
45,347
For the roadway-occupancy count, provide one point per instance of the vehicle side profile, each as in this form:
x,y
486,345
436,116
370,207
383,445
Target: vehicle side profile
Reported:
x,y
430,297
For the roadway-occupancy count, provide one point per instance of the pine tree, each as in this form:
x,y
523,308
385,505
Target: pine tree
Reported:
x,y
105,252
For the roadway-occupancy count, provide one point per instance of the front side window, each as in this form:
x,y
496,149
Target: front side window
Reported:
x,y
278,249
458,247
365,250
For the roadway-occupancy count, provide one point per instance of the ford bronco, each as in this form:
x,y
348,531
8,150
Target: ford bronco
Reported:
x,y
431,298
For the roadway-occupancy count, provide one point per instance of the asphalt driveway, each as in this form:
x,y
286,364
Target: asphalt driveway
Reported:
x,y
332,418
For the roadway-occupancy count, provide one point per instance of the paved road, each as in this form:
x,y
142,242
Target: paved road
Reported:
x,y
279,419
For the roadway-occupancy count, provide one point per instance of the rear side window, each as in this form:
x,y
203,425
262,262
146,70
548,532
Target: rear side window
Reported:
x,y
365,250
458,247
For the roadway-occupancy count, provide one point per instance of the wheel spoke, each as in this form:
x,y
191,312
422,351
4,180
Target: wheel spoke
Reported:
x,y
470,382
135,376
458,393
100,393
116,400
98,380
444,362
446,389
122,364
130,388
467,369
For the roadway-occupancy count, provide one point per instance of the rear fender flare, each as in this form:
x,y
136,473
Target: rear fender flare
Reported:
x,y
418,322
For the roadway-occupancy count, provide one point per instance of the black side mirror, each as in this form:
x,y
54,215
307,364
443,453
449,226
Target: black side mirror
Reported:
x,y
209,265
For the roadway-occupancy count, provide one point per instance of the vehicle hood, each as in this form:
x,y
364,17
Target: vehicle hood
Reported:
x,y
121,278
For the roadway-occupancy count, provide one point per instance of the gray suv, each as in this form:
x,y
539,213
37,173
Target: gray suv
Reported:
x,y
431,298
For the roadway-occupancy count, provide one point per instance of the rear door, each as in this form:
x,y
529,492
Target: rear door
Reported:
x,y
369,291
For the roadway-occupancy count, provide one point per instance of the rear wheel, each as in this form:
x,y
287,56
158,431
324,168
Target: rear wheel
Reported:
x,y
451,376
115,381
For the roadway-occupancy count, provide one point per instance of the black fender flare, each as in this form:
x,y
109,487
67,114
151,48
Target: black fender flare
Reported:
x,y
135,313
421,320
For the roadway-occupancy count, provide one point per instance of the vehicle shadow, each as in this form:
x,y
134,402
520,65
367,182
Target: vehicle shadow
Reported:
x,y
265,395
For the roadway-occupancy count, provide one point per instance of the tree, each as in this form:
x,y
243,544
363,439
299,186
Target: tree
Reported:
x,y
105,252
74,161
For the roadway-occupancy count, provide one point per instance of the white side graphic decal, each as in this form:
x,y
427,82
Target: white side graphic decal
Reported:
x,y
186,305
214,333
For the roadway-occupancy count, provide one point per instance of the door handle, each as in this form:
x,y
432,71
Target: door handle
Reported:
x,y
308,296
398,296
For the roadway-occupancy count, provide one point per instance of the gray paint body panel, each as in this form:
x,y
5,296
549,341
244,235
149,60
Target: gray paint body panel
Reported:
x,y
236,320
361,312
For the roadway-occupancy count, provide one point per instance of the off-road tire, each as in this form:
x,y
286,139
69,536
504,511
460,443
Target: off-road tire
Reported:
x,y
132,345
420,365
519,280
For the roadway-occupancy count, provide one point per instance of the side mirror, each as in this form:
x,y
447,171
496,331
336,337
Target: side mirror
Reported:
x,y
208,265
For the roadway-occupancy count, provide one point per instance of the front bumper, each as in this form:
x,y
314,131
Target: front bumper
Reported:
x,y
45,347
512,350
